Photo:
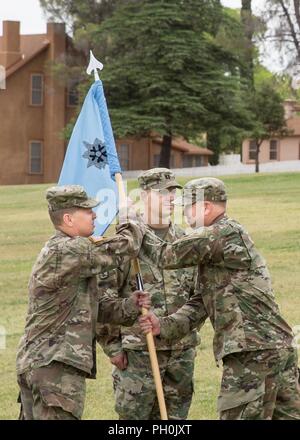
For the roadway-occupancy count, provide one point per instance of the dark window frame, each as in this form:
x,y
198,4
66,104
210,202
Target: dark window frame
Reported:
x,y
123,159
187,161
252,151
39,90
193,160
273,153
156,158
40,157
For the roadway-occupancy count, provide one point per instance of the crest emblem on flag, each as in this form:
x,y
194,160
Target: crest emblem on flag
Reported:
x,y
95,154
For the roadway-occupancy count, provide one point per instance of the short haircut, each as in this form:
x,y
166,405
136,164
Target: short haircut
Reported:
x,y
57,216
221,204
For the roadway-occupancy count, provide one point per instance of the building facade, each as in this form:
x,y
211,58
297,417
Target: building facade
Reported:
x,y
278,148
34,106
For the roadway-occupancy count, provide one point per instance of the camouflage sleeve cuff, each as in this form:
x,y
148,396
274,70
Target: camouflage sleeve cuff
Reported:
x,y
174,329
131,310
136,226
117,311
113,350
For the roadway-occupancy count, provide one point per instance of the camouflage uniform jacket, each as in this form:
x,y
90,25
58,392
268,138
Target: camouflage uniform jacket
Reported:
x,y
169,290
64,301
233,289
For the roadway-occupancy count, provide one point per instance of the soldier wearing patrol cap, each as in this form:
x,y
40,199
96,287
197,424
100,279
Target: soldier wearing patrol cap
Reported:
x,y
254,342
57,352
134,387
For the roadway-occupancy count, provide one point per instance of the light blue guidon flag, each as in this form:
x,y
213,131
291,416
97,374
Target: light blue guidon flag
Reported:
x,y
91,159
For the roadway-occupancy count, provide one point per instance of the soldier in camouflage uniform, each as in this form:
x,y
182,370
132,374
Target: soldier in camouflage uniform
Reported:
x,y
260,375
134,387
57,352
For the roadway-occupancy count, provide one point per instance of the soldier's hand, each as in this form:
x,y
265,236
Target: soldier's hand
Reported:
x,y
120,361
142,299
150,323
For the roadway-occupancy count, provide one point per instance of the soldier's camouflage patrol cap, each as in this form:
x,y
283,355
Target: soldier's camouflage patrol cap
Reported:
x,y
69,196
205,188
158,178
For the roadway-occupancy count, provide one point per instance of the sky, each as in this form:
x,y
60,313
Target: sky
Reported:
x,y
28,12
33,21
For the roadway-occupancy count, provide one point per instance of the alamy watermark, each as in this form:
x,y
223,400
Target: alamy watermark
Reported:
x,y
2,78
296,341
161,206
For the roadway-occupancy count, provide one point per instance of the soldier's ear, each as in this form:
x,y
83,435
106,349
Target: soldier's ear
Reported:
x,y
208,206
67,219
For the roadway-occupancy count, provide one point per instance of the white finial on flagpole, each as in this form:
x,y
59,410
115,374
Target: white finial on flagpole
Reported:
x,y
93,66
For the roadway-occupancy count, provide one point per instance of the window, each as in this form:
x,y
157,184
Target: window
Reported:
x,y
193,160
37,88
35,157
156,159
273,149
199,161
252,150
72,98
187,161
123,151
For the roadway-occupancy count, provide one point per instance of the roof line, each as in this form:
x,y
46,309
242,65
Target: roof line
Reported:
x,y
202,150
12,69
176,145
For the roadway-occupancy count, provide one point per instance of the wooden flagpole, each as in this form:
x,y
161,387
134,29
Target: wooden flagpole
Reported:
x,y
149,336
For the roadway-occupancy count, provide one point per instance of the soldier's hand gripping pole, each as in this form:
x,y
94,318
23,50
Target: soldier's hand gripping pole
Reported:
x,y
151,349
149,336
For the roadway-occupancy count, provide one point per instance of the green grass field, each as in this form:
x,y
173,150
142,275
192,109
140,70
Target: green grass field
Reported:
x,y
268,205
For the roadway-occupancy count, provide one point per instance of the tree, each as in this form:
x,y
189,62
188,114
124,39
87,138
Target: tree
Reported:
x,y
78,13
164,71
282,82
282,19
233,36
269,118
170,66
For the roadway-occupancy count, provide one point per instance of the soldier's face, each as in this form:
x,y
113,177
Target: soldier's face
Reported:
x,y
160,205
82,222
202,213
196,214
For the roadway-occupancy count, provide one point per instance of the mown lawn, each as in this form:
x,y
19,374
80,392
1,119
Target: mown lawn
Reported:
x,y
268,205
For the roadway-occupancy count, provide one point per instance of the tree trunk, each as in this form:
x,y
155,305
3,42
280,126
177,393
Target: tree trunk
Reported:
x,y
297,12
165,153
257,157
247,21
289,19
214,144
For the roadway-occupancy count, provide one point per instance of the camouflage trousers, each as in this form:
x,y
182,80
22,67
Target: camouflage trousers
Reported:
x,y
134,387
260,385
53,392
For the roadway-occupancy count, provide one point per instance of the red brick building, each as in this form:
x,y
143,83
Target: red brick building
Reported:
x,y
34,106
